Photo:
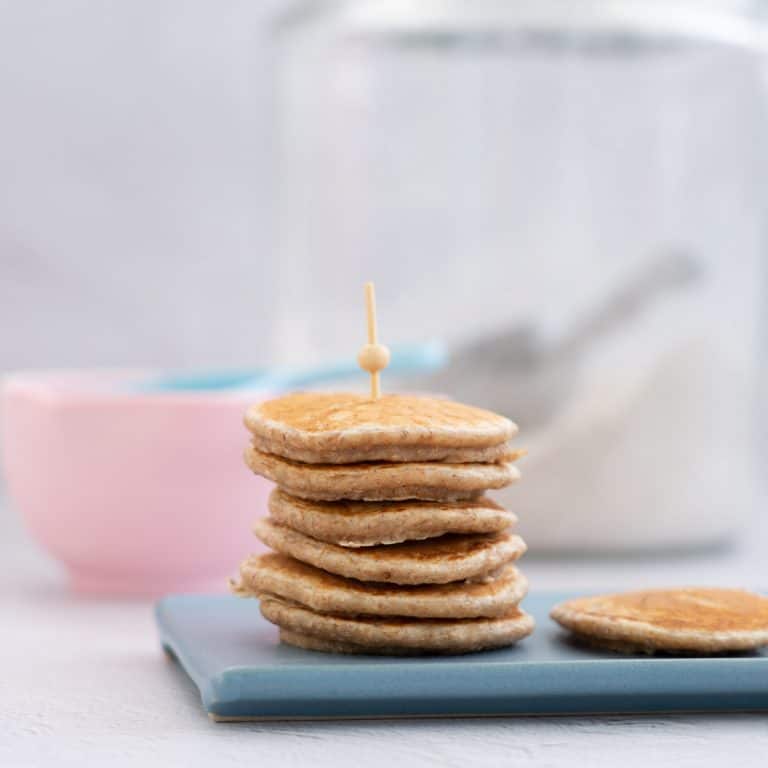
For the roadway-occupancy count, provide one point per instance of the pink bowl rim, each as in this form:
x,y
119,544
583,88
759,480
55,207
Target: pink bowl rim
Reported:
x,y
60,385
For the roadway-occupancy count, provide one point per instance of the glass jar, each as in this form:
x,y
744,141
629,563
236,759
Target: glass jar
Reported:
x,y
571,195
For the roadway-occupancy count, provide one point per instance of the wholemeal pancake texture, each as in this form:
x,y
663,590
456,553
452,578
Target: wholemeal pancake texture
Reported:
x,y
288,579
695,620
492,453
380,481
393,635
326,645
363,524
384,540
341,428
433,561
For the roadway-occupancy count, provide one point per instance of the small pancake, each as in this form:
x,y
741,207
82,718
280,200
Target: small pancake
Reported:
x,y
434,561
394,453
343,428
381,481
393,635
365,524
288,579
687,620
309,643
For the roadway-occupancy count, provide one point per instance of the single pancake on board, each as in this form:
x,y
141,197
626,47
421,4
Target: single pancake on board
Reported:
x,y
383,481
364,524
432,561
396,635
288,579
685,620
343,428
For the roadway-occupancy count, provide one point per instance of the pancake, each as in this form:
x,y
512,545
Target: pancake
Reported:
x,y
393,453
685,620
309,643
288,579
339,428
434,561
396,635
364,524
381,481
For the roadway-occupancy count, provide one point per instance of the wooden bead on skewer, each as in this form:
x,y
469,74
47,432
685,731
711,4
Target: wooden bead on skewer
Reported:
x,y
373,357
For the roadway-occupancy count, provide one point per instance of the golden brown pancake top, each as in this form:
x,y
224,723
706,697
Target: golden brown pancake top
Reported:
x,y
705,609
418,418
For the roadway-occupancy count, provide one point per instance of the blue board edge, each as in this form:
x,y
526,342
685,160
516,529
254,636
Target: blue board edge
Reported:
x,y
458,686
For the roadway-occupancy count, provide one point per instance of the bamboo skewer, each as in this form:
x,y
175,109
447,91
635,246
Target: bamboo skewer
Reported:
x,y
373,357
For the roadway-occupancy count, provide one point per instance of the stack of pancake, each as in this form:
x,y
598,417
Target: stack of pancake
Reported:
x,y
384,540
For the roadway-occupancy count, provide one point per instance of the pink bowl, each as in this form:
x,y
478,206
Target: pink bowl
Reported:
x,y
134,494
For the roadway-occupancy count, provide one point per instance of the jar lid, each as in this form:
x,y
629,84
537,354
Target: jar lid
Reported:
x,y
733,22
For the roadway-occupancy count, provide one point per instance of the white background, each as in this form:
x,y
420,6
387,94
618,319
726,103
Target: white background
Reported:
x,y
134,180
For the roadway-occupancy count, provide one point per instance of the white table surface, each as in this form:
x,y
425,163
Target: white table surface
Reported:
x,y
84,683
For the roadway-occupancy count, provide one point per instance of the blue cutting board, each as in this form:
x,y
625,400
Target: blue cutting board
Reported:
x,y
243,673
